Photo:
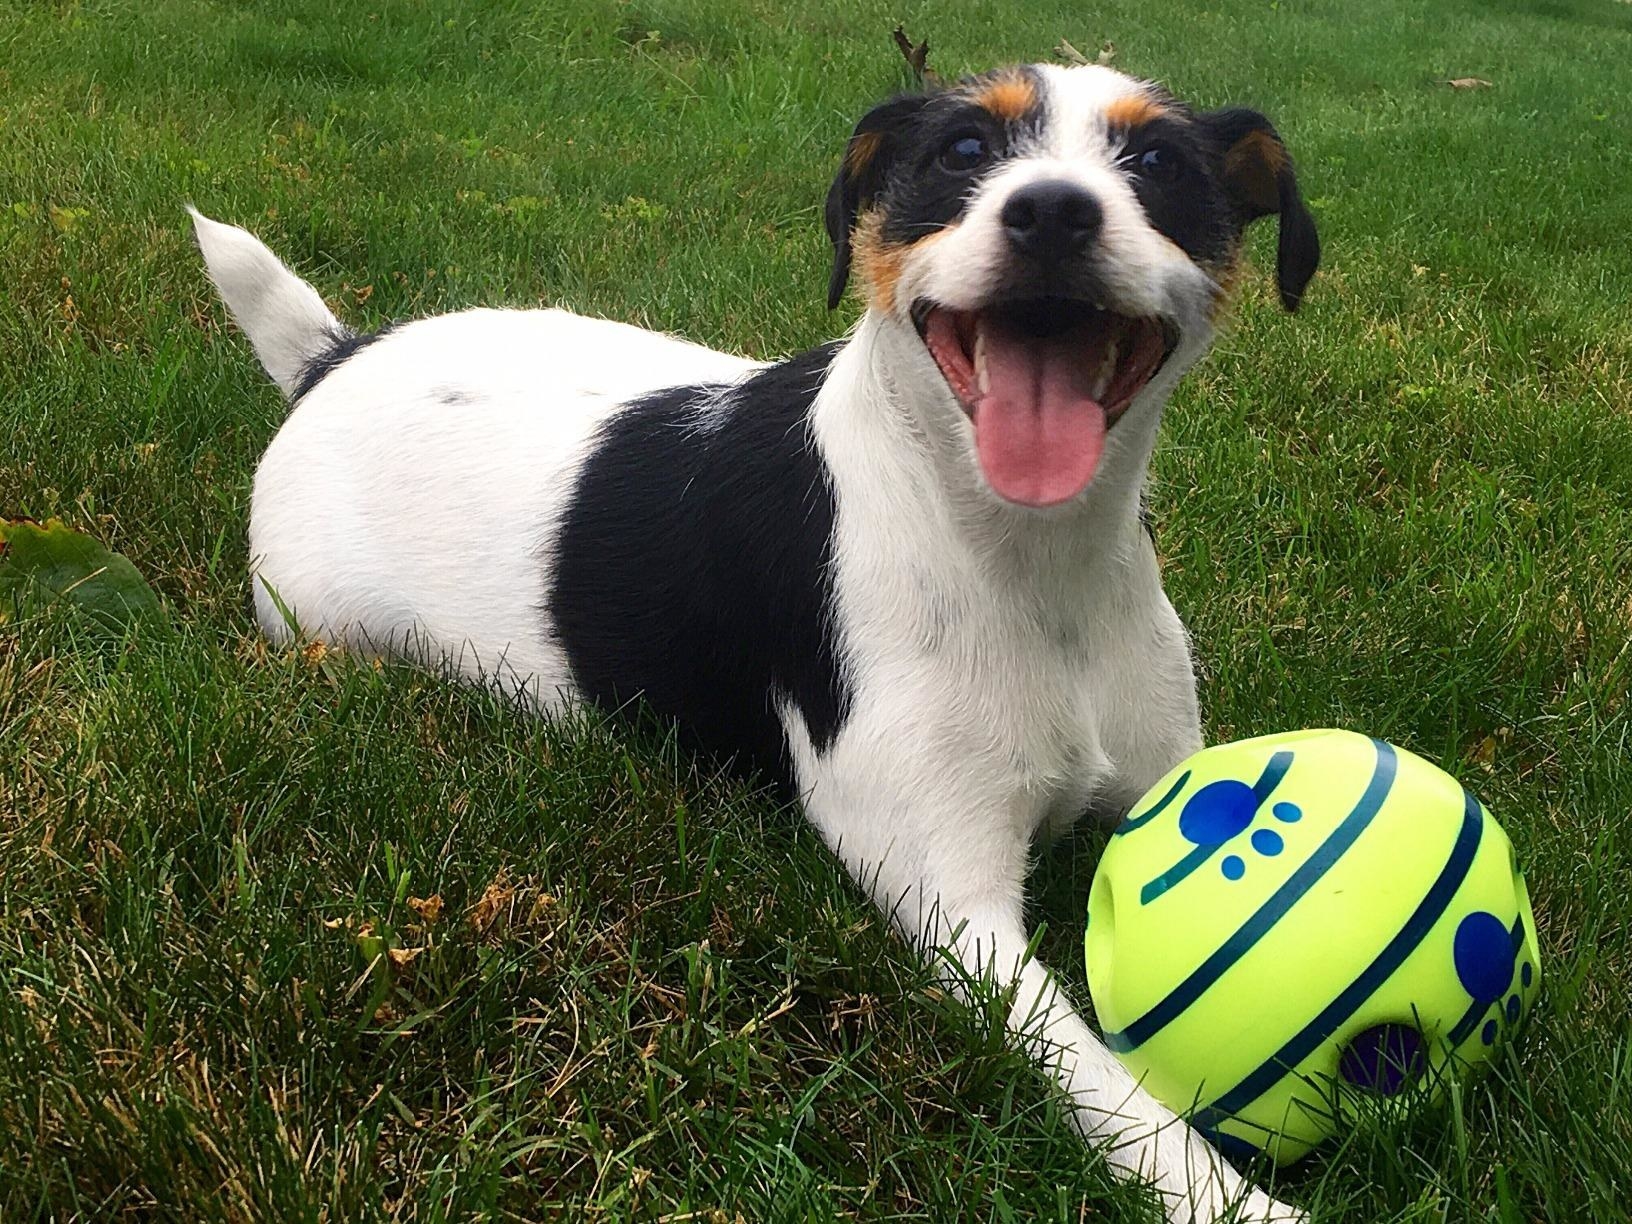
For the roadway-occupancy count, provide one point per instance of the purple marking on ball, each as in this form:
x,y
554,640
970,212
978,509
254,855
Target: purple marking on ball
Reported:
x,y
1287,813
1512,1009
1217,812
1385,1058
1484,956
1267,842
1488,1033
1232,867
1527,974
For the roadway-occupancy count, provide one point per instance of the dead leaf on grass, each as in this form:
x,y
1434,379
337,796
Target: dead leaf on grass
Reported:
x,y
916,55
428,908
495,899
1468,83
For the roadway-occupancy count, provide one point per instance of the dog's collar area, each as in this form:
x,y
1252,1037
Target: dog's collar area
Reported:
x,y
1043,380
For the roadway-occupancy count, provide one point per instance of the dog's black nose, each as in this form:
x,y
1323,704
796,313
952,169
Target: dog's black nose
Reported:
x,y
1052,220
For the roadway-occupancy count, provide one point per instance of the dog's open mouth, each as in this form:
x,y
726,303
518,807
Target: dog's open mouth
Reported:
x,y
1043,381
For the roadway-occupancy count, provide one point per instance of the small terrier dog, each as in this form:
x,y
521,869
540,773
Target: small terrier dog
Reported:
x,y
902,575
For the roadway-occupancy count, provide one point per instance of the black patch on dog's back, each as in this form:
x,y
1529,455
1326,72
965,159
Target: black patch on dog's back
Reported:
x,y
690,568
343,345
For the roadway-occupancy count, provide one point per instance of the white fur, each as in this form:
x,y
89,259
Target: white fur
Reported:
x,y
1010,668
282,315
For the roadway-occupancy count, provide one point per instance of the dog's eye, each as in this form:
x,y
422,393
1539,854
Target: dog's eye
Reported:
x,y
1159,165
964,153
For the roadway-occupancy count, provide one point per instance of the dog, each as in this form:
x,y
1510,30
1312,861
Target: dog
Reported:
x,y
903,576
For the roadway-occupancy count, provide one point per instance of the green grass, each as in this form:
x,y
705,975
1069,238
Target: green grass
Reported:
x,y
1406,510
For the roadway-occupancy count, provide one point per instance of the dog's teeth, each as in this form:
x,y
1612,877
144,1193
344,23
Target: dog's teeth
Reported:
x,y
1106,372
1103,376
982,379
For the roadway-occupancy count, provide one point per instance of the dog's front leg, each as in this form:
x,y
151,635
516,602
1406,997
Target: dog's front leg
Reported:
x,y
955,888
1141,1137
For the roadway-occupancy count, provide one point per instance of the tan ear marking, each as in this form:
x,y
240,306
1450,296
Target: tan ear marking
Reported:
x,y
1254,164
861,151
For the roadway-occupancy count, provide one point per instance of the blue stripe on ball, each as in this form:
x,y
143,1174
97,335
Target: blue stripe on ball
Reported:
x,y
1429,910
1160,806
1269,913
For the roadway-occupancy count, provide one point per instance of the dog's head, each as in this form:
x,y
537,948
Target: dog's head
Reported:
x,y
1058,238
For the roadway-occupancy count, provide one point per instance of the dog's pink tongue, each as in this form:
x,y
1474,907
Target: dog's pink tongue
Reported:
x,y
1038,432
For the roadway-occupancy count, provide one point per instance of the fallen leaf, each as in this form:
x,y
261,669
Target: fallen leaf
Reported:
x,y
916,55
428,908
1069,53
1107,52
495,899
1468,83
66,220
403,956
45,564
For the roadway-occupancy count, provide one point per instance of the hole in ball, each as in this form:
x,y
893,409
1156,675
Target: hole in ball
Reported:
x,y
1385,1058
1101,936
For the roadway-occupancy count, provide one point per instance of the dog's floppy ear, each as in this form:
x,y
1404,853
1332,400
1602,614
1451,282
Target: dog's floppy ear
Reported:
x,y
876,142
1256,171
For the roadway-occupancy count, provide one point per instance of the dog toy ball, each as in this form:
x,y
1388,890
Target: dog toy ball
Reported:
x,y
1282,923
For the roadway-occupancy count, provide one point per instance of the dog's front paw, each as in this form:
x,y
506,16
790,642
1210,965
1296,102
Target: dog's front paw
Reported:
x,y
1259,1208
1242,1205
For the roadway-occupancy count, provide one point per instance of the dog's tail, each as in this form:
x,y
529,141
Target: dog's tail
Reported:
x,y
281,314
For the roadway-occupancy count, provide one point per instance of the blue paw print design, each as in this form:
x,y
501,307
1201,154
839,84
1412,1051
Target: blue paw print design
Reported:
x,y
1487,955
1216,814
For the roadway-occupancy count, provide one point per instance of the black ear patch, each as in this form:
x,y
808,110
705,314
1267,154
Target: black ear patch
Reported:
x,y
874,146
1256,172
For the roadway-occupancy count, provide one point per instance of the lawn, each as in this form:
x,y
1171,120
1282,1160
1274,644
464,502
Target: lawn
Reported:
x,y
285,937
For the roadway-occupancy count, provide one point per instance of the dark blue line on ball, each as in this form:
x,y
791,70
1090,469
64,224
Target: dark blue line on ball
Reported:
x,y
1463,1028
1267,914
1272,775
1274,771
1140,821
1428,912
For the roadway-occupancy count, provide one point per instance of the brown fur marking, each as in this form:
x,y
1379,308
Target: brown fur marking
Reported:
x,y
860,152
1253,166
878,262
1227,274
1132,110
1011,96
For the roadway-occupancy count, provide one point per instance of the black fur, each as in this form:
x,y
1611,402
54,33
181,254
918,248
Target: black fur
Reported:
x,y
883,131
1257,188
690,568
343,345
906,137
1187,202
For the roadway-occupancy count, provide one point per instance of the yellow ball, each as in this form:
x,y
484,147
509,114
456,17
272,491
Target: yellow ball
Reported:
x,y
1284,922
